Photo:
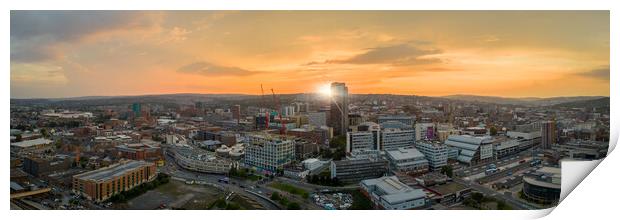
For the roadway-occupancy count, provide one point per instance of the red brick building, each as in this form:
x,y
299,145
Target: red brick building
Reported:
x,y
101,184
139,151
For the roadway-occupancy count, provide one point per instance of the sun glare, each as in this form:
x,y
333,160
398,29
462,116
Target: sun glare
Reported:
x,y
325,90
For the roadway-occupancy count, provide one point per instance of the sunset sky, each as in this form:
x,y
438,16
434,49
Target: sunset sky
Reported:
x,y
432,53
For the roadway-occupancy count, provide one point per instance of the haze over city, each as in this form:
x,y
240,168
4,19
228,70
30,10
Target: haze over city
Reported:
x,y
431,53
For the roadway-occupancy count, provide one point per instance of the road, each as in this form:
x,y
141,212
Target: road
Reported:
x,y
313,187
304,203
481,168
515,203
239,186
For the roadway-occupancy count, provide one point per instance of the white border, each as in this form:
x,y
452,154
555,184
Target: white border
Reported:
x,y
595,196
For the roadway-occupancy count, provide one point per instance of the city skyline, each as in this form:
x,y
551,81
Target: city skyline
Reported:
x,y
512,54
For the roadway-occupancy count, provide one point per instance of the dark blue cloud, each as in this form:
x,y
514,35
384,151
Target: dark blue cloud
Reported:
x,y
400,54
35,33
602,74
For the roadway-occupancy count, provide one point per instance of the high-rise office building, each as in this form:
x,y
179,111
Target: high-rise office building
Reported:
x,y
236,112
136,108
362,140
424,131
268,152
396,121
435,152
339,111
317,119
288,110
366,137
395,138
548,134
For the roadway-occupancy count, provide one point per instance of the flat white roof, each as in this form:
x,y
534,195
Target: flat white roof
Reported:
x,y
395,191
405,153
30,143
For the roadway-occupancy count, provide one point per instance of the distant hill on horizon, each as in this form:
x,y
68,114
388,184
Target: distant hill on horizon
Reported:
x,y
524,100
188,98
464,97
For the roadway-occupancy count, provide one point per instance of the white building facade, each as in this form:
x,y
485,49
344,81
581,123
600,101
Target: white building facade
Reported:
x,y
269,153
436,153
396,138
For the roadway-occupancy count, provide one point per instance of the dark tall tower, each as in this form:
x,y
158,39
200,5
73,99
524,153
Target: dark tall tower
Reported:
x,y
236,112
548,134
136,108
339,108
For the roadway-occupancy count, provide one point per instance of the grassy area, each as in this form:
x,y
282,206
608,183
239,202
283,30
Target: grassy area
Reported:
x,y
254,177
222,204
284,202
291,189
245,173
479,201
236,203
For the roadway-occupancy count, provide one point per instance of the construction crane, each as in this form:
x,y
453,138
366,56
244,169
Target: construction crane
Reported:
x,y
276,103
262,106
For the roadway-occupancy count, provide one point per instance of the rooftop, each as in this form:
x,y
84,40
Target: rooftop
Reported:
x,y
448,188
136,146
15,186
112,171
405,153
392,190
549,177
30,143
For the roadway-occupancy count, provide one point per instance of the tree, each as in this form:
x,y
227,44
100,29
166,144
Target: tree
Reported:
x,y
45,133
478,197
283,201
338,142
275,196
447,170
59,143
493,131
232,171
293,206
